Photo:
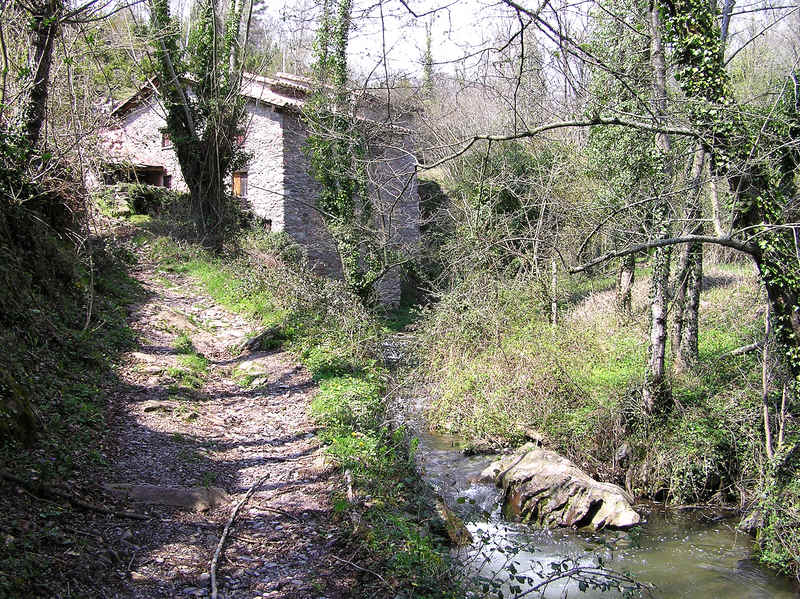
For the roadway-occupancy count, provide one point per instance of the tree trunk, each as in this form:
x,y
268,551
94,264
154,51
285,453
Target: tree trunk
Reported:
x,y
686,355
687,302
553,292
765,385
656,390
679,297
44,27
625,278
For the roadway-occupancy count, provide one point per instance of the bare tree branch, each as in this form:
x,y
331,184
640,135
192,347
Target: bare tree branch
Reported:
x,y
469,142
658,243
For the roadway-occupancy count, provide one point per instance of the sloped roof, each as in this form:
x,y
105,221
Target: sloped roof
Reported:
x,y
282,91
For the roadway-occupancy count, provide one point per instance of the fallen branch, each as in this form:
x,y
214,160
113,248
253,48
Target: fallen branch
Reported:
x,y
227,530
745,349
39,489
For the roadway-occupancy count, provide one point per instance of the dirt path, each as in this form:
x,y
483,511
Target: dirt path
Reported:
x,y
196,430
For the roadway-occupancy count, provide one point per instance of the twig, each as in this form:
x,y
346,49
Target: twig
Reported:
x,y
279,511
84,533
357,567
227,529
39,489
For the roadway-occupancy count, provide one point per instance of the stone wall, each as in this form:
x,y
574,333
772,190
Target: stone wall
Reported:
x,y
393,190
303,221
265,171
138,141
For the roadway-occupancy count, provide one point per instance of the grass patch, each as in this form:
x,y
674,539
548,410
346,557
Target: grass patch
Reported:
x,y
498,369
194,362
183,344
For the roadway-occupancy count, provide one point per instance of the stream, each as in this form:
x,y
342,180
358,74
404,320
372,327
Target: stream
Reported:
x,y
681,554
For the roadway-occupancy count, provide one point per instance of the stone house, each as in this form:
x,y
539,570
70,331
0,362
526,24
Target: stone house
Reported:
x,y
276,183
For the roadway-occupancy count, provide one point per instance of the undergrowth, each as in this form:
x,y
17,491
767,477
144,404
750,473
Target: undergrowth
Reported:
x,y
501,372
59,344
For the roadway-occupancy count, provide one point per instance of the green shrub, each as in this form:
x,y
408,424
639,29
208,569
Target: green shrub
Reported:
x,y
347,403
135,200
778,508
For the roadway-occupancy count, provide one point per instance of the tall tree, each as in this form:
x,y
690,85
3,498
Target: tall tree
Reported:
x,y
655,386
200,86
337,147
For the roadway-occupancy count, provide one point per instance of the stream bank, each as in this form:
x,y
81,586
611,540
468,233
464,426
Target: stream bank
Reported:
x,y
679,554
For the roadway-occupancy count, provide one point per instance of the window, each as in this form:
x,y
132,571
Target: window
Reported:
x,y
166,142
240,184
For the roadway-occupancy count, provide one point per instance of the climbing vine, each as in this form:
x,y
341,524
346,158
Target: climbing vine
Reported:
x,y
200,87
759,157
337,149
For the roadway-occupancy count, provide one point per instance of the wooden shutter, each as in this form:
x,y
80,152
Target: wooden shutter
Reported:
x,y
240,184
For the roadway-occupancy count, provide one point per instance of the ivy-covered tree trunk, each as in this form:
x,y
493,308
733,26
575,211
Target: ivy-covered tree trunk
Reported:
x,y
200,88
687,338
761,169
656,389
338,151
44,25
686,304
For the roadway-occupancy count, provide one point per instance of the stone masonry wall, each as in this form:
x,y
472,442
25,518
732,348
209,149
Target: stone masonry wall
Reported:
x,y
265,171
138,140
302,221
393,190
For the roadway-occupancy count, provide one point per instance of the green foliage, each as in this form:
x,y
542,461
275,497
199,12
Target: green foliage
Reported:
x,y
62,370
347,403
136,199
506,206
499,370
778,507
183,344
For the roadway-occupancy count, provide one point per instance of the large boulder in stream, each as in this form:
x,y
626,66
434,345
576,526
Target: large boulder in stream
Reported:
x,y
543,488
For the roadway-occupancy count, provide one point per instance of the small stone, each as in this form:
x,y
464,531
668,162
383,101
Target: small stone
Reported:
x,y
204,577
138,577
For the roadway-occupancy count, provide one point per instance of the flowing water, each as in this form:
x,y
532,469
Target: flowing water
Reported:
x,y
691,555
